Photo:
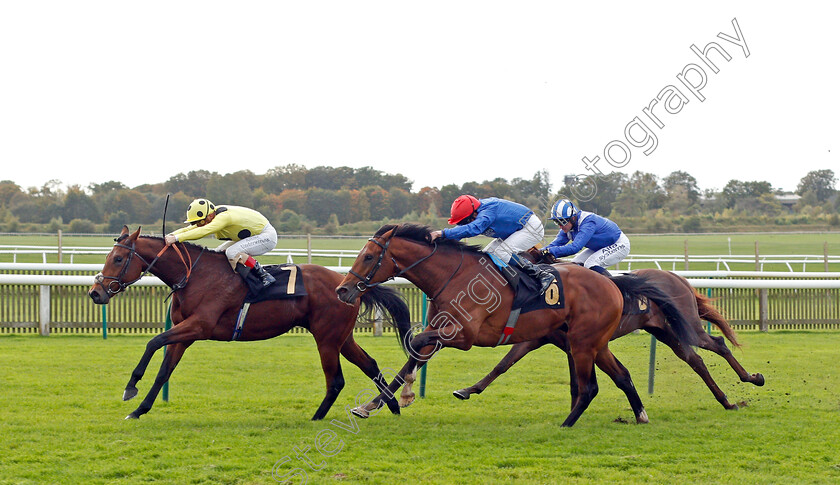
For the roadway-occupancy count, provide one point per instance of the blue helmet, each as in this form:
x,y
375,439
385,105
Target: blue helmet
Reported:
x,y
563,210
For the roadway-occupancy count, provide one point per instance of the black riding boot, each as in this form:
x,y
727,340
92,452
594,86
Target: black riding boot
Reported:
x,y
602,270
544,277
264,275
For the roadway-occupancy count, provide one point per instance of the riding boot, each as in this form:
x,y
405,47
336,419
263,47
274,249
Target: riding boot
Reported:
x,y
543,276
264,275
602,270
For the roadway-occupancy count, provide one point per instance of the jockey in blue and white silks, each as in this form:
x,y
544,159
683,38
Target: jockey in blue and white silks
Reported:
x,y
597,241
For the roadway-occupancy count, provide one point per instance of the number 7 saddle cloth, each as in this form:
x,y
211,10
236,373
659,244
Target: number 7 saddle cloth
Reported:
x,y
289,283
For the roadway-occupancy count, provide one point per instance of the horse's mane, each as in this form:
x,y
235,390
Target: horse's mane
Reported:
x,y
420,233
189,245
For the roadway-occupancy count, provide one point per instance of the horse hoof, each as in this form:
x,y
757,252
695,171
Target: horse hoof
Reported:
x,y
360,412
129,393
758,380
642,418
406,401
462,394
132,416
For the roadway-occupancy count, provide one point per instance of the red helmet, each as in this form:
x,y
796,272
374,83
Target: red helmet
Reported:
x,y
462,208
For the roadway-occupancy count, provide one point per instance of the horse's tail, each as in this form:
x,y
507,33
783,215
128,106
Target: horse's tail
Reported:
x,y
636,286
391,301
708,312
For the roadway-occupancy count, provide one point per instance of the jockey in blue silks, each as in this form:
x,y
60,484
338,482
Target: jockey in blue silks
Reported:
x,y
601,240
515,228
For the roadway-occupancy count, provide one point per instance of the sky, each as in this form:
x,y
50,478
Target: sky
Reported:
x,y
441,92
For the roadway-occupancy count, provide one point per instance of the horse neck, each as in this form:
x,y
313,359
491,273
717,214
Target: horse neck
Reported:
x,y
431,275
169,267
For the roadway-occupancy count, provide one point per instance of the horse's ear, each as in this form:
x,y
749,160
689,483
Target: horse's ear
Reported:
x,y
124,231
134,235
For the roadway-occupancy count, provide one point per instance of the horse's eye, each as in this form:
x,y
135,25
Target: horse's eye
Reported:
x,y
368,257
118,259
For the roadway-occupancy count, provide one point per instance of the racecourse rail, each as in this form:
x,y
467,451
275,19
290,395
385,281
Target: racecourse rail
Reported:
x,y
52,297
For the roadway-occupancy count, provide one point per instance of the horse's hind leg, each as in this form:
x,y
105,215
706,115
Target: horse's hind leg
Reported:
x,y
332,373
607,362
353,352
718,346
174,352
587,385
694,360
512,357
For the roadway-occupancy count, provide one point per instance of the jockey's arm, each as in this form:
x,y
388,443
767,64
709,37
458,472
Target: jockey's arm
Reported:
x,y
581,238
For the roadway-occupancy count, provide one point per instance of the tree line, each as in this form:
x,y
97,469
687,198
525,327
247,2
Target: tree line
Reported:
x,y
342,199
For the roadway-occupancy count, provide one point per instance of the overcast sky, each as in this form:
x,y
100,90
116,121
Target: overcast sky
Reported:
x,y
442,92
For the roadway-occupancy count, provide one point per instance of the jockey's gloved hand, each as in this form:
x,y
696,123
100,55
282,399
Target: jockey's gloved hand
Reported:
x,y
545,253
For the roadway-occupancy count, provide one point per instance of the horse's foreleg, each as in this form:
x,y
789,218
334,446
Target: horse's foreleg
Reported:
x,y
607,362
512,357
407,395
173,355
718,346
422,348
353,352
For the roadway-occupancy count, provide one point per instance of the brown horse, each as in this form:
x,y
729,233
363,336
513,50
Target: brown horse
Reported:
x,y
690,303
207,297
471,304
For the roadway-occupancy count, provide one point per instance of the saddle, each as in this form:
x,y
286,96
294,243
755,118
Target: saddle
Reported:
x,y
289,283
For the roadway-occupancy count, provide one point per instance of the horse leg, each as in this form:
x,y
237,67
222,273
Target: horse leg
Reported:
x,y
353,352
332,373
407,395
607,362
584,363
667,337
183,332
421,349
718,346
170,361
512,357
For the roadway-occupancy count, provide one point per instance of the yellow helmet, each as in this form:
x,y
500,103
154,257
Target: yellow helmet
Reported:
x,y
199,209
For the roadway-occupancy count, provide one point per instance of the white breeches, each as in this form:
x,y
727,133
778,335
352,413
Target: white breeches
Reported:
x,y
521,240
253,246
604,257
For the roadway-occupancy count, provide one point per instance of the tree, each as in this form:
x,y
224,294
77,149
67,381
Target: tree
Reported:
x,y
400,202
78,205
194,183
820,182
231,189
682,183
736,190
284,177
106,187
8,189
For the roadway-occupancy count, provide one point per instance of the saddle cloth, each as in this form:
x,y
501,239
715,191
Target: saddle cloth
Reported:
x,y
289,283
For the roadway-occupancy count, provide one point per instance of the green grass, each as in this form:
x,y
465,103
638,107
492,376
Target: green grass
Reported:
x,y
236,409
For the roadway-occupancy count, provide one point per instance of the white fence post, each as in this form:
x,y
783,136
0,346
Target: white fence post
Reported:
x,y
44,310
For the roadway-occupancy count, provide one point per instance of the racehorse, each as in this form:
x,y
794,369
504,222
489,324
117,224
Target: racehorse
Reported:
x,y
207,297
470,305
693,305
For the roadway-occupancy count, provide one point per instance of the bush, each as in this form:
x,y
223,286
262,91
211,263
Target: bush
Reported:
x,y
82,226
692,224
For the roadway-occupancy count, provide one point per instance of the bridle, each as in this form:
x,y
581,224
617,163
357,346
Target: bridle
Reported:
x,y
365,283
115,284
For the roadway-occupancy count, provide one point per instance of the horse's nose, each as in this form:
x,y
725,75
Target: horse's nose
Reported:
x,y
343,294
96,297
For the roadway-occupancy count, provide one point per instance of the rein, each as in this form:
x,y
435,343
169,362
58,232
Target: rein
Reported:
x,y
117,285
365,283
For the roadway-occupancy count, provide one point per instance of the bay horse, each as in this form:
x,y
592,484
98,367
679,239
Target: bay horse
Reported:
x,y
693,305
206,299
471,302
